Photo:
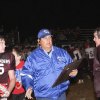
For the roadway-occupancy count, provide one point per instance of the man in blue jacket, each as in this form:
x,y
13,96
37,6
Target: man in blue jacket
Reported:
x,y
42,68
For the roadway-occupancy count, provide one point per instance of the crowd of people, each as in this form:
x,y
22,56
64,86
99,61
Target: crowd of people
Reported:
x,y
32,70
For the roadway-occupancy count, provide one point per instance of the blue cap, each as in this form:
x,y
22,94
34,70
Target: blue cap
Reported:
x,y
43,32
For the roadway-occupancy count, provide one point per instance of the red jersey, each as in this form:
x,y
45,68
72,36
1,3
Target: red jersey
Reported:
x,y
18,87
7,62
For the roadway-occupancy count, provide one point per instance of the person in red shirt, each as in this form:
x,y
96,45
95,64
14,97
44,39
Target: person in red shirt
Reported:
x,y
18,92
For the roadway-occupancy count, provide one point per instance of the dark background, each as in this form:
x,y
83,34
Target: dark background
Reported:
x,y
31,15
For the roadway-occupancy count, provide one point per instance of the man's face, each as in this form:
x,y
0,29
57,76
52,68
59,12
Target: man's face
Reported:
x,y
46,42
96,39
2,45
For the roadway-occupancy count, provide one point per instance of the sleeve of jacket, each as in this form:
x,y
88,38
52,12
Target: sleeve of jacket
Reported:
x,y
27,73
68,58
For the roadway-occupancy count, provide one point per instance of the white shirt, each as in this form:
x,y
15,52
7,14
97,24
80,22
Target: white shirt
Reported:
x,y
90,52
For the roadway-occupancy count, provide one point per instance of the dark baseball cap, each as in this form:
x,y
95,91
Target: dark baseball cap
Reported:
x,y
43,32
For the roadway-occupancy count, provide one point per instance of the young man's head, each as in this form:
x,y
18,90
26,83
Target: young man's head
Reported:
x,y
45,39
2,44
97,36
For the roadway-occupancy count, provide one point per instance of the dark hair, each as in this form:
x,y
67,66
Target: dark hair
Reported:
x,y
18,50
97,30
2,37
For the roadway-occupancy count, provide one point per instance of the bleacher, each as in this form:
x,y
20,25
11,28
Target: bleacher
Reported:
x,y
83,36
86,34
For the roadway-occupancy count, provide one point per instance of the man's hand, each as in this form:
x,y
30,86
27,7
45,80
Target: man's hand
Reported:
x,y
4,91
29,93
73,73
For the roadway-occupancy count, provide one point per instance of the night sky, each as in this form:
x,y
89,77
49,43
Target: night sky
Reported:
x,y
31,15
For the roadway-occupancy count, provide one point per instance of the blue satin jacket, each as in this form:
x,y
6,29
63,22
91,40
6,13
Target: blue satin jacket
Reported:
x,y
40,72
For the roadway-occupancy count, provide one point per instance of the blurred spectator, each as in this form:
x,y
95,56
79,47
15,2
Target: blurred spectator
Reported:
x,y
18,92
